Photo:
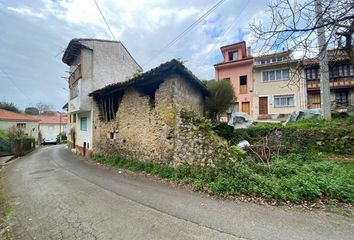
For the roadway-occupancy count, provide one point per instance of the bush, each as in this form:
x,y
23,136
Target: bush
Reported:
x,y
251,134
16,133
63,136
3,135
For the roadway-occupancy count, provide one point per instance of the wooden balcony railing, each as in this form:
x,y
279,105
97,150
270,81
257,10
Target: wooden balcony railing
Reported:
x,y
337,82
76,75
243,89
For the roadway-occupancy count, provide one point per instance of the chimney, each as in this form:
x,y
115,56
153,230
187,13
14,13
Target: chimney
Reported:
x,y
249,52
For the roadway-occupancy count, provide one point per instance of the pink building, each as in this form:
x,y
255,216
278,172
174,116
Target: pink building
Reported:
x,y
237,66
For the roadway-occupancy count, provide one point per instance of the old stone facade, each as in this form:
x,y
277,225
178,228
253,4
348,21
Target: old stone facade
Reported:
x,y
148,125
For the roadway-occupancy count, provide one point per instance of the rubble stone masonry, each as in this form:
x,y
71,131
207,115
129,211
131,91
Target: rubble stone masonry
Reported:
x,y
155,130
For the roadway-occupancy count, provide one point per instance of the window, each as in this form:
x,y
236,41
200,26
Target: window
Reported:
x,y
74,118
243,84
334,71
21,125
312,73
83,124
342,98
276,75
267,61
271,76
233,55
348,70
50,127
284,101
286,74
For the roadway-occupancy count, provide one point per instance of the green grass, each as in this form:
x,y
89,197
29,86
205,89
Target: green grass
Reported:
x,y
295,178
3,135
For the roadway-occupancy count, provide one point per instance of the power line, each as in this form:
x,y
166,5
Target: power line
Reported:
x,y
104,19
189,28
226,31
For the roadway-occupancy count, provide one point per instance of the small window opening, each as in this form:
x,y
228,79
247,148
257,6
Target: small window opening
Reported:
x,y
108,105
150,91
111,135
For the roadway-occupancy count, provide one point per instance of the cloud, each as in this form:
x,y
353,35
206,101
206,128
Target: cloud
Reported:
x,y
144,26
25,11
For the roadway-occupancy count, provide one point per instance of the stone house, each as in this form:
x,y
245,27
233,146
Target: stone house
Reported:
x,y
28,123
278,86
94,63
141,118
237,66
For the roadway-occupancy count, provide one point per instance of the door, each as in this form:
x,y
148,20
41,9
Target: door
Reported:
x,y
246,107
73,137
263,105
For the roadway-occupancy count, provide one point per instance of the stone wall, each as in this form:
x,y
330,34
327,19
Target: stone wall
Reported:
x,y
196,143
139,131
161,131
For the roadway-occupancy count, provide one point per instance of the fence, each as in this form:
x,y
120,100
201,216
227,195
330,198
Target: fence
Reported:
x,y
20,147
5,148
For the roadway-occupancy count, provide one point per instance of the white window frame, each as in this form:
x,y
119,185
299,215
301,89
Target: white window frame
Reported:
x,y
275,77
283,96
81,127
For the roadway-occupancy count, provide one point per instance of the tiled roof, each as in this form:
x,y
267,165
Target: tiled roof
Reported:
x,y
51,119
12,116
154,75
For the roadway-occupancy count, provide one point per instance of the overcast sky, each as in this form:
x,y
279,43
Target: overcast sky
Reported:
x,y
34,33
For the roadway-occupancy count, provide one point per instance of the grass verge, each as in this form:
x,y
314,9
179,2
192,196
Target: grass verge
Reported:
x,y
295,177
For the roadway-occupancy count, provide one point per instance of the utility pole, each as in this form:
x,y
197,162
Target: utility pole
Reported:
x,y
323,59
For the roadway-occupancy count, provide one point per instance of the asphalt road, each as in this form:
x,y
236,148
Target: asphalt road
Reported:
x,y
57,195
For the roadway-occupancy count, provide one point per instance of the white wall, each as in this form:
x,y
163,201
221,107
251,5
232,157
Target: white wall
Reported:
x,y
51,129
31,127
106,62
84,136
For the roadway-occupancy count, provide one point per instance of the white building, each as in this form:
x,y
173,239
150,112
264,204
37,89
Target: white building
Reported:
x,y
94,64
52,125
29,124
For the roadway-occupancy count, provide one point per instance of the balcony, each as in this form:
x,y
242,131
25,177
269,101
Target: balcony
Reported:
x,y
334,82
76,75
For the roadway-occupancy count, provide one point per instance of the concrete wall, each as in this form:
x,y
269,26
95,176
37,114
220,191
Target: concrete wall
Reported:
x,y
106,62
234,71
31,127
111,63
142,131
51,129
294,86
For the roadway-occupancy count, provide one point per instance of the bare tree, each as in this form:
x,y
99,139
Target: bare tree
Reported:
x,y
43,107
311,27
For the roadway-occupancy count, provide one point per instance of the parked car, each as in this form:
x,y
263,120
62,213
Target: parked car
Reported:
x,y
50,139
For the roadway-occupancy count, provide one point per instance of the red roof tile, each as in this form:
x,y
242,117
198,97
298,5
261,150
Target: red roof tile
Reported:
x,y
12,116
51,119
